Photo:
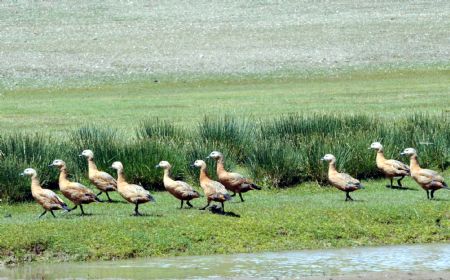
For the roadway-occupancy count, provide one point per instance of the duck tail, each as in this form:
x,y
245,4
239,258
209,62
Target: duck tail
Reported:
x,y
227,197
360,186
96,198
66,209
255,187
194,194
445,186
151,198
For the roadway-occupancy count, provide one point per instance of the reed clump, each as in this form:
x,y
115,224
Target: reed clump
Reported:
x,y
278,153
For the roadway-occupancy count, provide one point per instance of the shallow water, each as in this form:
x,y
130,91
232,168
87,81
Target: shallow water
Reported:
x,y
432,257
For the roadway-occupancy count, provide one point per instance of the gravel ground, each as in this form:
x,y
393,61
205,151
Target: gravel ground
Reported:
x,y
51,42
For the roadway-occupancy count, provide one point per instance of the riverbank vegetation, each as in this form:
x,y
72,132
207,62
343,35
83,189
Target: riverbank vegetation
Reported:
x,y
306,216
278,153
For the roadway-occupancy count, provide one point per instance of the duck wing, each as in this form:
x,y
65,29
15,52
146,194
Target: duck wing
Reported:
x,y
218,187
183,187
105,180
233,178
137,192
186,190
50,196
396,165
348,181
427,176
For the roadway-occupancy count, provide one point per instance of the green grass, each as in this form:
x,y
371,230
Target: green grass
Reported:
x,y
389,94
307,216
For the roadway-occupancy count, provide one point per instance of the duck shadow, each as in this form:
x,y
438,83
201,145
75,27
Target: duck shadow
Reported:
x,y
146,215
114,202
355,201
81,215
218,211
439,199
401,188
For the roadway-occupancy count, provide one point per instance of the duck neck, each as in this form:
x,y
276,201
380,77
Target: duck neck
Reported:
x,y
92,166
220,166
120,177
167,178
63,175
203,174
332,167
35,184
380,156
414,163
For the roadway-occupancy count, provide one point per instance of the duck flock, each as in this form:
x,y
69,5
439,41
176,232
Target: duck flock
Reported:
x,y
217,191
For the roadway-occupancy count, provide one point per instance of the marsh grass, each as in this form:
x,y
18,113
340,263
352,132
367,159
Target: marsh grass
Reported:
x,y
278,153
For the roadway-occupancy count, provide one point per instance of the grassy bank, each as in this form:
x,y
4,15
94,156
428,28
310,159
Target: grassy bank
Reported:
x,y
308,216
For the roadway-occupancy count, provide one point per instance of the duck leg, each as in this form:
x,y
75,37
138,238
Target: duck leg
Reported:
x,y
53,214
182,201
109,198
223,207
203,208
189,204
428,194
399,181
99,193
347,197
392,183
242,199
432,194
75,207
136,210
42,214
82,211
234,194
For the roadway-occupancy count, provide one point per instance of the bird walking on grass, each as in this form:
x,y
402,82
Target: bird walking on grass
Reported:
x,y
391,168
342,181
134,194
75,192
428,179
46,198
179,189
232,181
104,182
214,191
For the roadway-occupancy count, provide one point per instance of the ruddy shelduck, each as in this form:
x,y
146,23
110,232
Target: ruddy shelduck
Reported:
x,y
75,192
428,179
179,189
232,181
214,191
391,168
342,181
46,198
134,194
104,182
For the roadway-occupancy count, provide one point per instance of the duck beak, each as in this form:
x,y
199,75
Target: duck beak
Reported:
x,y
402,153
50,165
22,174
208,157
157,166
192,165
322,159
369,148
80,155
